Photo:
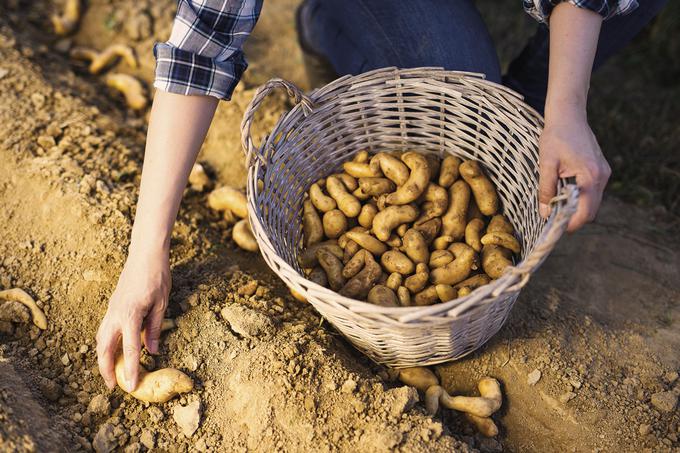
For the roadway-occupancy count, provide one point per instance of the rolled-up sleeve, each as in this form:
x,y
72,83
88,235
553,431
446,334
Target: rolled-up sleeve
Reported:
x,y
541,9
204,54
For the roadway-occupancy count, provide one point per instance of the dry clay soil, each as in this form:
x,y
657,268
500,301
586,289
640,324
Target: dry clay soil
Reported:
x,y
598,321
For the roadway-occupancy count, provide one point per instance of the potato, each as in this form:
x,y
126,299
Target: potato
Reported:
x,y
416,282
395,261
351,249
244,237
156,386
458,269
376,186
436,203
334,223
454,220
394,281
131,88
392,167
311,224
439,258
428,296
318,276
499,224
446,292
419,377
367,214
417,181
354,265
429,229
361,170
473,282
482,188
227,198
332,265
495,259
383,296
347,202
367,242
307,258
442,242
473,232
359,285
361,156
448,172
505,240
404,296
415,246
349,181
320,200
385,221
19,295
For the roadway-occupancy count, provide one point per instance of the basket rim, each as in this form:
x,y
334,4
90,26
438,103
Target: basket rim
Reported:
x,y
513,279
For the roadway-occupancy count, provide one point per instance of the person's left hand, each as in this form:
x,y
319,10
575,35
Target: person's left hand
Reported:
x,y
568,147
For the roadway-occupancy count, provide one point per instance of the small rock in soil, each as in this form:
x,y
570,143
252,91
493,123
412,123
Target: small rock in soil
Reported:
x,y
50,389
248,289
99,405
533,377
147,439
105,439
566,397
349,386
401,400
187,417
645,429
665,401
246,322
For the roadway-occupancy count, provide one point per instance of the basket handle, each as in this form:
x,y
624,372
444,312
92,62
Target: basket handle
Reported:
x,y
293,91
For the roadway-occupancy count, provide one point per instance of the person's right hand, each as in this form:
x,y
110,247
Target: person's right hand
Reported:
x,y
139,301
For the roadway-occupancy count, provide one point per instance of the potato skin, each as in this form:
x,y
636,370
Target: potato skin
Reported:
x,y
454,220
385,221
393,168
415,246
367,214
311,224
332,265
458,269
495,259
448,172
334,223
395,261
320,200
473,232
482,188
383,296
347,202
416,183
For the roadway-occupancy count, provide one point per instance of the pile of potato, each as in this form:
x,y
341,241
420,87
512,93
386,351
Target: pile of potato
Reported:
x,y
403,229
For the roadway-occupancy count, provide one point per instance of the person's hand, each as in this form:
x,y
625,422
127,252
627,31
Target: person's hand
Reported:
x,y
139,301
568,147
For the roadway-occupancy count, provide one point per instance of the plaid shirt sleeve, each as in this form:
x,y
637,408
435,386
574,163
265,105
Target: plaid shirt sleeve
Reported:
x,y
541,9
203,55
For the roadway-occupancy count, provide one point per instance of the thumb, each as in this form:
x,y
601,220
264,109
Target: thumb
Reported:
x,y
547,186
152,331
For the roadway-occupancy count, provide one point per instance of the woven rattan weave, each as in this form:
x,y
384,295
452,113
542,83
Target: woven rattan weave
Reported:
x,y
424,109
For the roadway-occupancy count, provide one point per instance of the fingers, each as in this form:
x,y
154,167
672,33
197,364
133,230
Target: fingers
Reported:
x,y
547,185
152,331
589,200
131,349
107,344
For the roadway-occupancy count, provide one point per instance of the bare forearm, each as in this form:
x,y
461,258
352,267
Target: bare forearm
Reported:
x,y
177,128
574,34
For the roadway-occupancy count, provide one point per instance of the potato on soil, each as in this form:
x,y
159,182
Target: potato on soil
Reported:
x,y
482,188
419,377
66,23
22,297
226,197
481,406
130,87
198,178
102,60
156,386
243,236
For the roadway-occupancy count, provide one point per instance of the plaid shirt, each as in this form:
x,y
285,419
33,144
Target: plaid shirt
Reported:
x,y
204,53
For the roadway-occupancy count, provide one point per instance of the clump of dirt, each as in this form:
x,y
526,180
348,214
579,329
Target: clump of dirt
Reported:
x,y
588,360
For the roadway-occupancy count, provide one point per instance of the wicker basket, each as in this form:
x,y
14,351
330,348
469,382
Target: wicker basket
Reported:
x,y
425,109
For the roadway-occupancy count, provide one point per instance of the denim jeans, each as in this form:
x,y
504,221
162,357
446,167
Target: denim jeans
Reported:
x,y
356,36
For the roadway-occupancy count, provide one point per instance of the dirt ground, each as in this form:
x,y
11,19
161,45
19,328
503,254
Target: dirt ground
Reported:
x,y
598,321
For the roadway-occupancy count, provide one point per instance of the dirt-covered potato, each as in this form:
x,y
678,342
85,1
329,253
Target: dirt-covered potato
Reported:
x,y
481,186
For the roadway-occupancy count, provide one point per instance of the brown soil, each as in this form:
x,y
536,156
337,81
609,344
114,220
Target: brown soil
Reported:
x,y
598,321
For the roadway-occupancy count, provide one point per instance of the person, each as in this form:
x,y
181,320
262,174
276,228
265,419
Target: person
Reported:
x,y
203,61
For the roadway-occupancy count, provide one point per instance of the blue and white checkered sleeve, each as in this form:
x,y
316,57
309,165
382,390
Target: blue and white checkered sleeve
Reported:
x,y
204,53
541,9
